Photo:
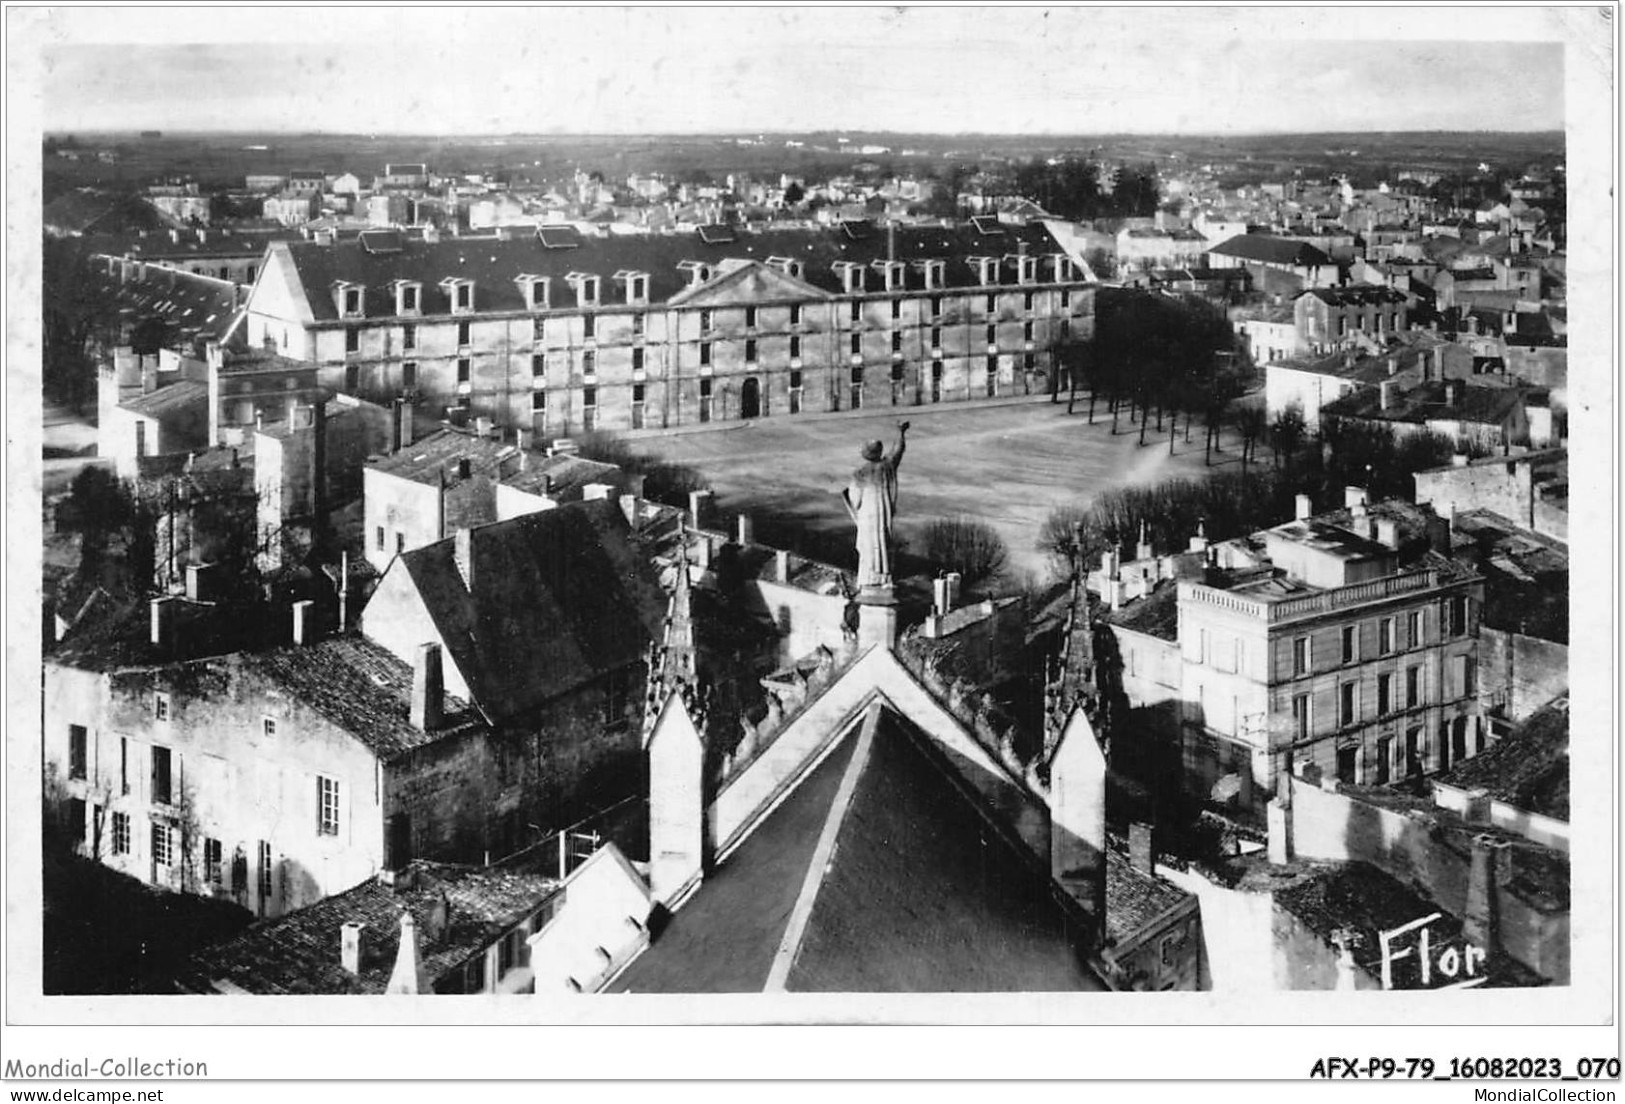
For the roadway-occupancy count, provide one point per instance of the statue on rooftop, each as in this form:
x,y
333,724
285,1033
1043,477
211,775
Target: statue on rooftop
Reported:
x,y
871,499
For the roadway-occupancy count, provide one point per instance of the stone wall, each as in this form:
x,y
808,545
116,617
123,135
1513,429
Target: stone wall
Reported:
x,y
1530,670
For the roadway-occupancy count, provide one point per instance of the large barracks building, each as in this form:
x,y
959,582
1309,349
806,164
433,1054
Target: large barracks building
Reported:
x,y
557,333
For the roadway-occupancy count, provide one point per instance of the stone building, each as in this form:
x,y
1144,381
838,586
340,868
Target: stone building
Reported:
x,y
561,333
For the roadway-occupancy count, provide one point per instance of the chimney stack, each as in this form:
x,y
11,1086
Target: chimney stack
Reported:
x,y
699,504
781,564
745,531
592,492
1388,532
482,427
1303,507
1393,366
1385,391
1491,869
954,579
428,689
1142,855
1353,497
939,597
163,623
303,629
1451,392
352,947
525,439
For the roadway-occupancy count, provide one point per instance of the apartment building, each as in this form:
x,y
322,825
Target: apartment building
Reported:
x,y
1346,640
560,333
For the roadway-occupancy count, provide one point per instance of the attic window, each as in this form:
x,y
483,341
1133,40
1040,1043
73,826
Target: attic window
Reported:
x,y
348,298
1026,267
698,272
1061,266
787,265
635,285
408,297
893,274
586,288
987,269
934,273
535,289
460,292
987,225
851,275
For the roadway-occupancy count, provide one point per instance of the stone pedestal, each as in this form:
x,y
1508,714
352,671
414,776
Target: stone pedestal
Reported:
x,y
877,617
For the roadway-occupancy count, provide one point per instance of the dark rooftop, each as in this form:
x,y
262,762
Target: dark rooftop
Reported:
x,y
180,397
1357,295
1426,402
1529,768
300,953
1272,250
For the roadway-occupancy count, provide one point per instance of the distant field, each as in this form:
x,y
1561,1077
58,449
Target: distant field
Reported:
x,y
1008,466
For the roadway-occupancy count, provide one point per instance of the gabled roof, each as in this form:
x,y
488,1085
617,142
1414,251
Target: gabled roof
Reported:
x,y
494,263
1272,250
180,397
187,303
1356,295
560,598
876,874
300,953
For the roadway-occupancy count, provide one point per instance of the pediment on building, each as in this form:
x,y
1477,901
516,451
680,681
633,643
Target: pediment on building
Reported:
x,y
742,282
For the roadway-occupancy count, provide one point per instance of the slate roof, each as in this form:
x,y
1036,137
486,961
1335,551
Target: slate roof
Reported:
x,y
561,597
920,893
192,304
494,264
1134,898
234,242
1529,768
84,209
1156,614
300,953
1272,250
1356,295
428,458
1426,402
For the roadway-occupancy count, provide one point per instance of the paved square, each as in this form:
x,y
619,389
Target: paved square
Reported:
x,y
1007,465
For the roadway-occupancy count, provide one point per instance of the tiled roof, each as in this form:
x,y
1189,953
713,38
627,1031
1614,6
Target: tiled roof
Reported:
x,y
428,458
561,476
494,264
300,953
560,598
182,396
1272,250
1426,402
1528,769
360,687
1357,295
1134,898
192,304
1156,614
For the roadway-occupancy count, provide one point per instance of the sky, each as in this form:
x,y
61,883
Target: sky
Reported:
x,y
1060,70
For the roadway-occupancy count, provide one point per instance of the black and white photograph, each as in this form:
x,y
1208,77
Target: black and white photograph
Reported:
x,y
726,516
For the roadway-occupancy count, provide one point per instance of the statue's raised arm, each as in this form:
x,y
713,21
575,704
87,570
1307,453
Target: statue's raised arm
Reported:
x,y
871,499
902,443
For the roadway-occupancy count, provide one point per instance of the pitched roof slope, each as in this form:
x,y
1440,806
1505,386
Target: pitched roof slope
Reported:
x,y
1272,250
560,598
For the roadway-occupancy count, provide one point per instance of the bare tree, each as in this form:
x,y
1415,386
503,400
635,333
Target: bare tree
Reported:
x,y
967,546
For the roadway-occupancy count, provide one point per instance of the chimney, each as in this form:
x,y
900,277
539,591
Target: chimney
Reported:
x,y
745,531
1199,541
1491,869
408,977
403,424
1116,591
699,503
939,596
1353,496
1385,394
1141,854
592,492
954,579
1451,392
781,566
1393,366
303,629
1303,507
198,579
428,689
1142,550
1388,532
482,427
163,623
525,439
1438,362
344,591
352,947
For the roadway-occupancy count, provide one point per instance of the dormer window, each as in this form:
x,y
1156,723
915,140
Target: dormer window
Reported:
x,y
1026,267
987,269
535,290
851,275
635,285
935,273
459,293
348,298
787,265
586,288
408,298
698,272
1061,266
892,272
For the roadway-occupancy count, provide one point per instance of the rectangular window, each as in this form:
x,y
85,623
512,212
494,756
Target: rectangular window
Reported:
x,y
464,334
78,742
76,818
857,344
750,318
897,341
750,350
1348,760
589,326
213,872
352,339
1385,694
380,538
705,353
465,296
265,873
992,335
163,843
400,542
1300,656
1027,301
639,323
123,765
637,359
1300,716
465,369
856,311
1347,701
538,367
327,805
992,305
1026,331
1066,298
409,376
1469,677
637,392
795,314
1385,635
705,322
589,362
936,337
162,792
992,375
615,697
1413,628
268,727
1350,635
795,345
1456,615
352,300
121,833
1413,687
160,706
538,401
936,306
538,328
896,309
1385,759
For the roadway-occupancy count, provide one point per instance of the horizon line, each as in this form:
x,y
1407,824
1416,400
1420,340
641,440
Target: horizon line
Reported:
x,y
743,132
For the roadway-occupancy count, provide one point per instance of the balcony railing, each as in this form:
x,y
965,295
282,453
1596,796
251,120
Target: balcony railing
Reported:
x,y
1323,601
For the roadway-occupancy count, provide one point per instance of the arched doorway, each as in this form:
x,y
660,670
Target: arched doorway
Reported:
x,y
750,398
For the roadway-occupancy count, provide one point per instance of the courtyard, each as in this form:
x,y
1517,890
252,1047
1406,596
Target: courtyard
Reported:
x,y
1006,464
